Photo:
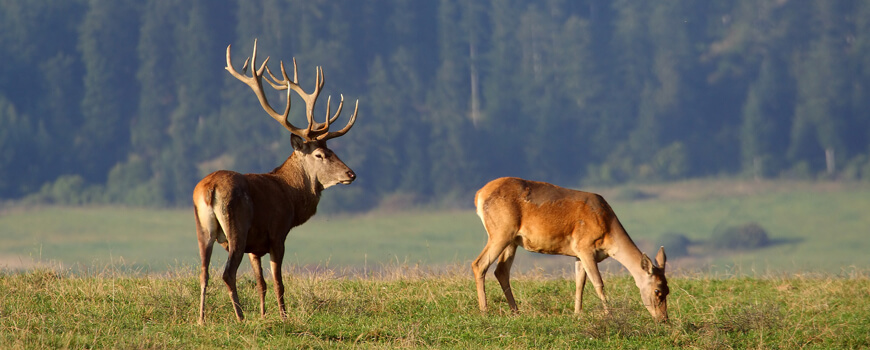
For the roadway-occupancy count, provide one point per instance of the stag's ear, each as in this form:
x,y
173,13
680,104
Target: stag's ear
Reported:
x,y
646,264
661,258
297,142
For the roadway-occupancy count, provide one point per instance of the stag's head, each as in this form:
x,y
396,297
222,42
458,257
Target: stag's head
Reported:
x,y
309,143
654,286
321,162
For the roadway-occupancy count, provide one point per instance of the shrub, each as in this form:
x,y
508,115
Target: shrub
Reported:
x,y
632,194
676,244
747,236
67,190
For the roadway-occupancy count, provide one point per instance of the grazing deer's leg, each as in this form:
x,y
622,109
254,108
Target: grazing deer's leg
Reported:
x,y
580,281
492,250
503,274
276,256
591,267
261,283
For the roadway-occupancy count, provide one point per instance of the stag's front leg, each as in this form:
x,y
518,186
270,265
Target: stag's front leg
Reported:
x,y
276,256
261,283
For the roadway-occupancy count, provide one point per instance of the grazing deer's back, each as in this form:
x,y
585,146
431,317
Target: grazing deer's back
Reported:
x,y
531,195
545,215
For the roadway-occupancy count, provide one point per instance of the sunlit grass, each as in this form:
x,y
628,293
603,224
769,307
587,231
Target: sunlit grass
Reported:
x,y
407,306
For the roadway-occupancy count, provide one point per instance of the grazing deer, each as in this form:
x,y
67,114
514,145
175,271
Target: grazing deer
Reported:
x,y
549,219
252,213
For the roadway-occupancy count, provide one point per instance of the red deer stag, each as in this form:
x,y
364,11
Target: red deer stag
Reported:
x,y
253,213
545,218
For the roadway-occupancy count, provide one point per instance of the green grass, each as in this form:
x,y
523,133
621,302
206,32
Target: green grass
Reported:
x,y
114,277
412,307
821,227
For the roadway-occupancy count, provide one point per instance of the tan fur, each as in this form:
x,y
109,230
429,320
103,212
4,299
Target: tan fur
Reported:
x,y
545,218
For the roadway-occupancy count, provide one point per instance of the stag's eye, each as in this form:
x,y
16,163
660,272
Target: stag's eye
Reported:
x,y
319,156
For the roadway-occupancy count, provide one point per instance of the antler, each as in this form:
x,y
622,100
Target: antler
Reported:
x,y
314,131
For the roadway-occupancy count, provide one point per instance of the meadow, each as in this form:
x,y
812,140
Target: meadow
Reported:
x,y
406,306
115,277
814,227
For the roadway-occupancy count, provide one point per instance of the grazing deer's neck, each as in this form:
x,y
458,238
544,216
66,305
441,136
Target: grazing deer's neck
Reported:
x,y
626,252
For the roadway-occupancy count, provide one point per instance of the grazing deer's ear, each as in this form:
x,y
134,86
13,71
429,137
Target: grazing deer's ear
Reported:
x,y
297,142
646,264
661,258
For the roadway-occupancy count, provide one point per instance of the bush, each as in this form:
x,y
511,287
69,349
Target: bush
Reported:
x,y
676,244
632,194
747,236
66,190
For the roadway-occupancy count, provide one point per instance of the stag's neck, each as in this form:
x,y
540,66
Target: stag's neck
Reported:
x,y
294,173
306,187
627,253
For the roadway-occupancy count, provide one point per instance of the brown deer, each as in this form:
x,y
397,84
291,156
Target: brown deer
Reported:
x,y
549,219
253,213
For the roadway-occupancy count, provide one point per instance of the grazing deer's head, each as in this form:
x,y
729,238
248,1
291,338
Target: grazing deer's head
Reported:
x,y
309,143
654,286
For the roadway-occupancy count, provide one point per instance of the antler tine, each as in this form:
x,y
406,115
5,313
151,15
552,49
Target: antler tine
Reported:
x,y
337,111
328,112
276,83
310,99
295,71
350,122
324,127
245,67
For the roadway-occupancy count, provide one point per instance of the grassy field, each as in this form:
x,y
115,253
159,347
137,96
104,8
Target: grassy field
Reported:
x,y
413,307
817,227
114,277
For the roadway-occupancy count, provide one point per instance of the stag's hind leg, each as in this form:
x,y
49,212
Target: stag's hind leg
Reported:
x,y
204,226
261,283
236,221
205,250
230,270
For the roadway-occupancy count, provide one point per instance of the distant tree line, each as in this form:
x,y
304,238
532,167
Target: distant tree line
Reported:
x,y
127,101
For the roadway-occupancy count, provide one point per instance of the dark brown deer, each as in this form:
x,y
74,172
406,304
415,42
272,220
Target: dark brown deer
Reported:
x,y
253,213
549,219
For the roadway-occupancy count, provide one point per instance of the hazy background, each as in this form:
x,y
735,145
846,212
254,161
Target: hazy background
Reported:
x,y
109,101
